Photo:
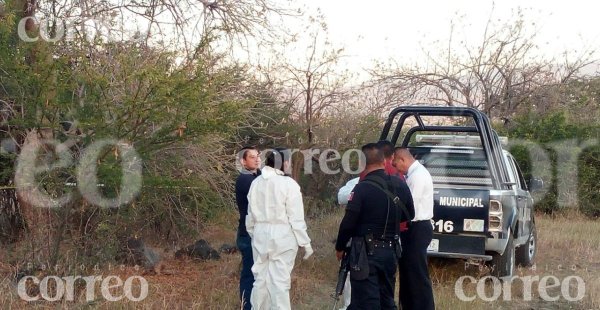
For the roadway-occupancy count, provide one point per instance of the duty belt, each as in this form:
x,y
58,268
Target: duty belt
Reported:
x,y
383,243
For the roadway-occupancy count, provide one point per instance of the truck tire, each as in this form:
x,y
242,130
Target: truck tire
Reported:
x,y
504,265
525,254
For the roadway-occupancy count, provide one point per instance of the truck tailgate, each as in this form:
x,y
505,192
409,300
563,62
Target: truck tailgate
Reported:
x,y
461,211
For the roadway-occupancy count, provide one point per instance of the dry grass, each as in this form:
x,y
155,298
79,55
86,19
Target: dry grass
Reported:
x,y
566,247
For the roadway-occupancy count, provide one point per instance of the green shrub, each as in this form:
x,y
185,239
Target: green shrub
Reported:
x,y
548,131
589,177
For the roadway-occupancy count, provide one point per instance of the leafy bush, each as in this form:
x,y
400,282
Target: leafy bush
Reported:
x,y
561,138
588,185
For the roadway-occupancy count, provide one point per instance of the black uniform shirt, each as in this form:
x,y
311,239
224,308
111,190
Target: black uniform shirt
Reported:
x,y
242,187
367,210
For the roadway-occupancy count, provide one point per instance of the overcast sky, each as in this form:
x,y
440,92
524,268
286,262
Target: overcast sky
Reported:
x,y
398,29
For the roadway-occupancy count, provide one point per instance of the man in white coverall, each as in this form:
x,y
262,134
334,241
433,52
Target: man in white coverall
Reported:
x,y
275,222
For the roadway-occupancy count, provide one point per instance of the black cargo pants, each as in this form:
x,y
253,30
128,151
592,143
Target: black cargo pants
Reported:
x,y
376,291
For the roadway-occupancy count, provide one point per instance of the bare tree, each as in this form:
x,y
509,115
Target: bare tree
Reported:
x,y
499,76
182,25
314,84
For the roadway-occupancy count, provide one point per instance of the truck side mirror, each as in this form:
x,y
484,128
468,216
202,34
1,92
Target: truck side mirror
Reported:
x,y
536,184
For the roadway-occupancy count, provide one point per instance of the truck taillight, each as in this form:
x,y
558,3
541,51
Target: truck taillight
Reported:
x,y
495,216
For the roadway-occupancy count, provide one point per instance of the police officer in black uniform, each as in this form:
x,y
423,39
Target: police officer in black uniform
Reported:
x,y
372,215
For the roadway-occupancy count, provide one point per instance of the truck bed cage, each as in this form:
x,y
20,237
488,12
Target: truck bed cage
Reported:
x,y
489,138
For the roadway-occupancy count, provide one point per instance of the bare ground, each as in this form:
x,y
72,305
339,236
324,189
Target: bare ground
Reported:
x,y
568,246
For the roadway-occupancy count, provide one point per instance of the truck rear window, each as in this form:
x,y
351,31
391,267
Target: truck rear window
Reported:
x,y
455,166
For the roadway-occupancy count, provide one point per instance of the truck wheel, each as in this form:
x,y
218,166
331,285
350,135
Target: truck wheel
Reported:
x,y
504,265
525,254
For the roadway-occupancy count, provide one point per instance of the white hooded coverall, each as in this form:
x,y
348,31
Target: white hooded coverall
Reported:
x,y
275,221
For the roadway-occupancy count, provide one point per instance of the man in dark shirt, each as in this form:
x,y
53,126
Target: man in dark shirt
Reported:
x,y
250,160
387,148
371,211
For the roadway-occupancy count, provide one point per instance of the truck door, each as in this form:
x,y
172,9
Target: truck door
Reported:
x,y
524,200
523,192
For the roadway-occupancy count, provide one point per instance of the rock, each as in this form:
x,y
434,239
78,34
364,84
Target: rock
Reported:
x,y
137,253
199,250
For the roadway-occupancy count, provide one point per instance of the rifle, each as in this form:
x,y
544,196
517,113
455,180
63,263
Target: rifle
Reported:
x,y
342,276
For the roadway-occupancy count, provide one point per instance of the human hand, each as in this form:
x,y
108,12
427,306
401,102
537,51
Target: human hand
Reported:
x,y
308,251
339,255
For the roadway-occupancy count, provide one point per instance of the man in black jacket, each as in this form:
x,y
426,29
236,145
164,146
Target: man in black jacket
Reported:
x,y
372,214
250,160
